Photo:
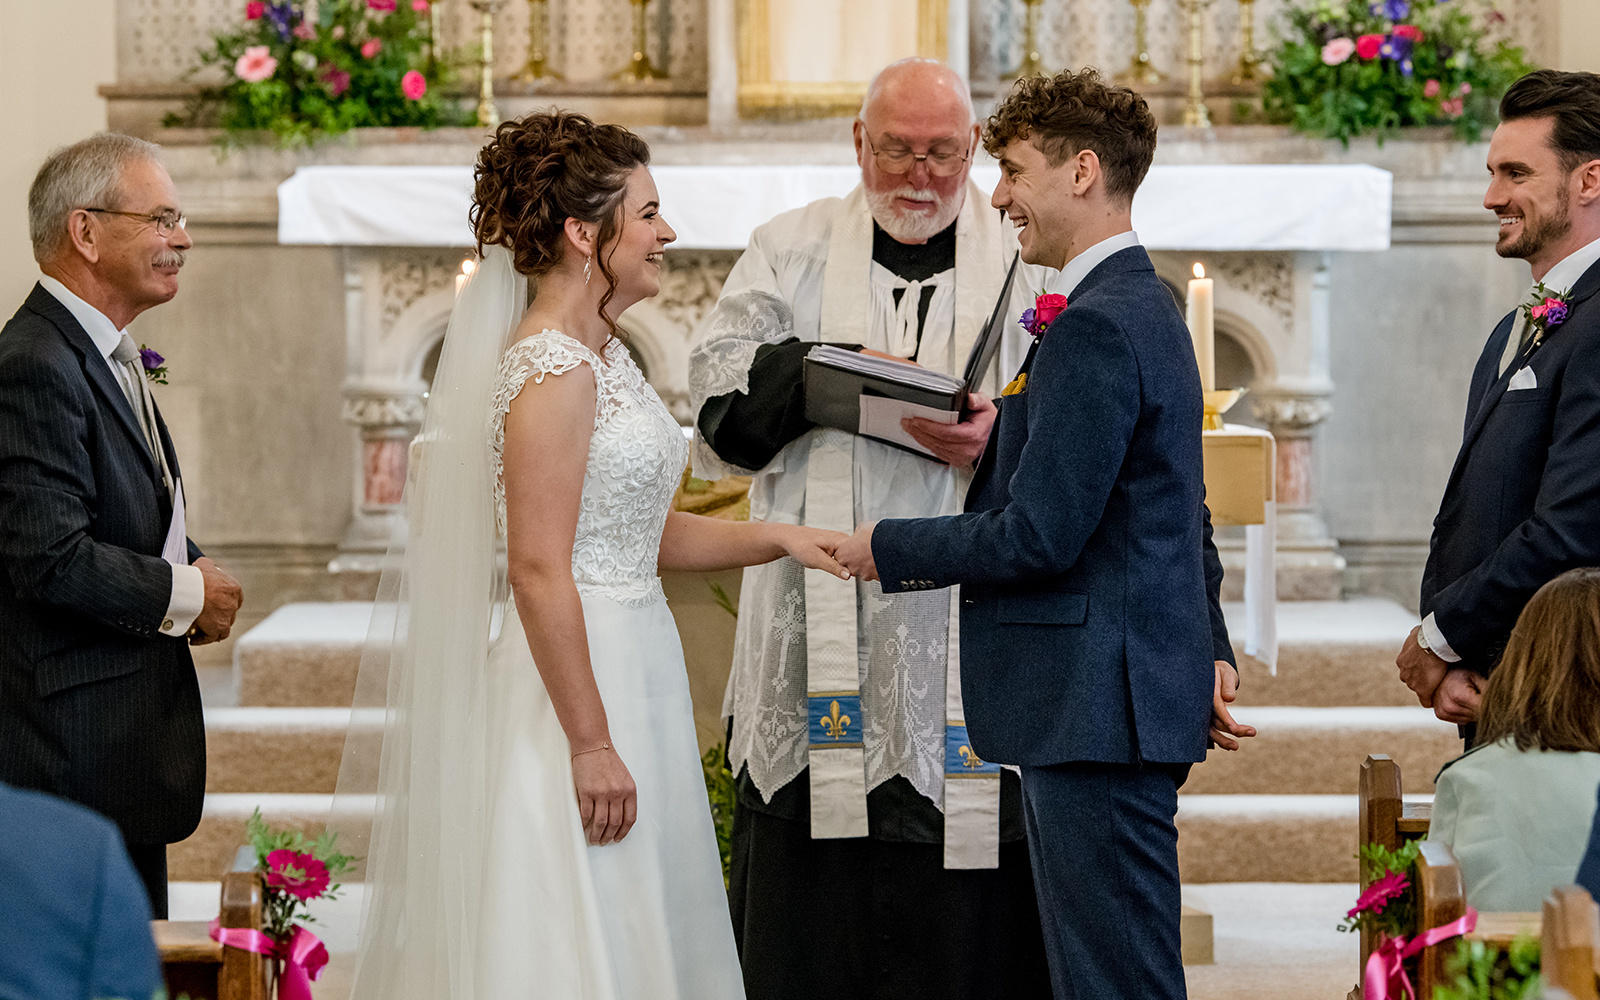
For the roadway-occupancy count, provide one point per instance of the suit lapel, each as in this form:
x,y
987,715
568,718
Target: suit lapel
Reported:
x,y
95,369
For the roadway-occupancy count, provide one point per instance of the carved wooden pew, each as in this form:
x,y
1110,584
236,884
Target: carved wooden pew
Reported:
x,y
193,964
1387,819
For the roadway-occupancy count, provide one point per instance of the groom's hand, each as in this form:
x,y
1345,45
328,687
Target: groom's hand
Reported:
x,y
957,444
855,553
1225,732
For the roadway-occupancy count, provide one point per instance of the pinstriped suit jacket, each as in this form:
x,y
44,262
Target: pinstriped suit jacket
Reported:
x,y
96,705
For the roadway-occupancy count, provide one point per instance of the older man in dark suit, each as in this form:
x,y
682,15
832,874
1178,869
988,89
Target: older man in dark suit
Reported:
x,y
100,589
1087,647
1522,504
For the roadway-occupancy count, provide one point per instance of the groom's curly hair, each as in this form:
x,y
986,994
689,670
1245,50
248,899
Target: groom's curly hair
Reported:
x,y
542,169
1065,114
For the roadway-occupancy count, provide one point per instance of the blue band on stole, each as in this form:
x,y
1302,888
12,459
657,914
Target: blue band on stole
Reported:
x,y
835,719
959,760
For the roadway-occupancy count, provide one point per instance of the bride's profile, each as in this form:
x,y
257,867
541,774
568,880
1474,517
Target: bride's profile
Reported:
x,y
540,827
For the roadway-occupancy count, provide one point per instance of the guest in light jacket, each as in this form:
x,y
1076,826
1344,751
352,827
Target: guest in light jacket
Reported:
x,y
1516,810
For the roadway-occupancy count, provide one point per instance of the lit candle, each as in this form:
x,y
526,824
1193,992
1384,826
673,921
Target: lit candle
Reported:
x,y
467,267
1202,326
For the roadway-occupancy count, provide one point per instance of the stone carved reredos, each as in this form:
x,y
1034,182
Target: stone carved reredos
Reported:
x,y
404,277
1291,413
384,410
690,284
1266,277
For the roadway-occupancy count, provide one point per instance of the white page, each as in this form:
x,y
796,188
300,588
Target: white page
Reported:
x,y
881,416
176,548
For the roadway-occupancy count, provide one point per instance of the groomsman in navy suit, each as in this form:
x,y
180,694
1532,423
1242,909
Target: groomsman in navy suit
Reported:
x,y
1522,504
1088,653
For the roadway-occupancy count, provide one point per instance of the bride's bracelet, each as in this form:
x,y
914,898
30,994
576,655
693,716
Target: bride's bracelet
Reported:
x,y
579,753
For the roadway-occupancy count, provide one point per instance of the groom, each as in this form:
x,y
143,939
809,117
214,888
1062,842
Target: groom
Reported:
x,y
1086,644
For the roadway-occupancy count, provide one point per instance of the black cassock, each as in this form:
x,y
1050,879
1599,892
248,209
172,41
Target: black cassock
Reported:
x,y
879,917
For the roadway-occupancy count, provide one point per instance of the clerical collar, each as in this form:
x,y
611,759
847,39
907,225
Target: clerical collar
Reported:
x,y
915,261
1070,277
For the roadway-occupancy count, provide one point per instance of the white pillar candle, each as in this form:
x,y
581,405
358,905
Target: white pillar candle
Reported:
x,y
1202,326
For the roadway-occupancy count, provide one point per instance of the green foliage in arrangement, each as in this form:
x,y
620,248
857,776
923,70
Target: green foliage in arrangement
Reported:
x,y
1480,971
1345,68
1389,903
301,79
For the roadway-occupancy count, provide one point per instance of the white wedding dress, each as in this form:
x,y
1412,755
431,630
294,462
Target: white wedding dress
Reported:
x,y
646,917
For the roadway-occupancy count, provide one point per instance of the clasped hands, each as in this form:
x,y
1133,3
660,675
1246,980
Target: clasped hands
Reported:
x,y
1454,693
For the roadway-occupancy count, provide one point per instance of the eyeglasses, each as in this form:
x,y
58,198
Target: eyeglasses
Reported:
x,y
900,160
166,223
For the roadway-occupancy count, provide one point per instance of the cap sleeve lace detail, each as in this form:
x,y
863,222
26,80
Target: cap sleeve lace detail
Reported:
x,y
548,352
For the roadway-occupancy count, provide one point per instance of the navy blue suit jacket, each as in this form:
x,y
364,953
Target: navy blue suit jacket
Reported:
x,y
75,917
96,705
1086,628
1522,504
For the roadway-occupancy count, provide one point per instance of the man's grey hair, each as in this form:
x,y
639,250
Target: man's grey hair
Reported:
x,y
86,174
958,86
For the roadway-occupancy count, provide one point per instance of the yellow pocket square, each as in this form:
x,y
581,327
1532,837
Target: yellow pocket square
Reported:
x,y
1018,385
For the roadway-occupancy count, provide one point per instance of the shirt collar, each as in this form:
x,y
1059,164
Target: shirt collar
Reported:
x,y
95,323
1564,275
1070,277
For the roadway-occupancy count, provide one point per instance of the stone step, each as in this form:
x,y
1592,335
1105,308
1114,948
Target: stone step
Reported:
x,y
1331,653
1319,750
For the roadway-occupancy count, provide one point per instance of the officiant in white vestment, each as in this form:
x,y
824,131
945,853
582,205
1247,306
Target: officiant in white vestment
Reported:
x,y
871,848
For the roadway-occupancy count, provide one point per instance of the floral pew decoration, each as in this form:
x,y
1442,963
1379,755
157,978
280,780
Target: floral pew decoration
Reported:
x,y
1392,907
296,871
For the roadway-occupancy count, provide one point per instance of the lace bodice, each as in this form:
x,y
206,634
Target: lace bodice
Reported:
x,y
636,459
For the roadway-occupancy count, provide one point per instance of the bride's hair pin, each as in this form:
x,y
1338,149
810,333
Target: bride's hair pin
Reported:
x,y
586,262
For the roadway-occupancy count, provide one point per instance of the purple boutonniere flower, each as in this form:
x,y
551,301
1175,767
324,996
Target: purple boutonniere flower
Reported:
x,y
1045,309
155,366
1545,311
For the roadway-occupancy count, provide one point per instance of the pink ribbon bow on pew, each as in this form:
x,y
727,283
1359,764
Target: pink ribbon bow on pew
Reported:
x,y
303,955
1386,977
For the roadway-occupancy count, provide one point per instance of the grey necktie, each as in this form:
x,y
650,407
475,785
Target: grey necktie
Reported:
x,y
1514,346
126,355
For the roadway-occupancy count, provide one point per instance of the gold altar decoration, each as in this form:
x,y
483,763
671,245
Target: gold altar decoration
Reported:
x,y
1194,109
538,65
787,72
488,114
1032,64
1142,70
1217,402
1240,474
1248,69
639,66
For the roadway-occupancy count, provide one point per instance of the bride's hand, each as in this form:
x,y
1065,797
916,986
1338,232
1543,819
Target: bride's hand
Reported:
x,y
608,801
814,547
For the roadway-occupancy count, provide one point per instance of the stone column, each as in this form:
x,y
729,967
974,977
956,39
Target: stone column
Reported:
x,y
1309,565
388,417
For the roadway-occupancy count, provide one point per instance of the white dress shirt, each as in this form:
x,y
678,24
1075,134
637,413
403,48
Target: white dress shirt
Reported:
x,y
1558,281
188,596
1068,279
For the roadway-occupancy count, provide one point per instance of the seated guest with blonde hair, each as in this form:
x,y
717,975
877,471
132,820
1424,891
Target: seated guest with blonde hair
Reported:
x,y
1516,810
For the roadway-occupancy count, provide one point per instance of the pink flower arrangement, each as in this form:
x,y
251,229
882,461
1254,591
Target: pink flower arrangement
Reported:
x,y
1381,893
1368,46
255,65
371,47
1430,89
337,80
413,85
255,10
381,6
1409,32
300,875
420,6
1337,51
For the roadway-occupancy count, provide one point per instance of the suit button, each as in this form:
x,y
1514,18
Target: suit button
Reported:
x,y
166,626
968,600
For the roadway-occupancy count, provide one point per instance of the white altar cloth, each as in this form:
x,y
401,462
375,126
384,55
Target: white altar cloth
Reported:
x,y
1223,207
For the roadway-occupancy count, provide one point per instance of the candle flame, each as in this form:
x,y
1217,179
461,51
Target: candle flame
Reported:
x,y
1199,270
468,266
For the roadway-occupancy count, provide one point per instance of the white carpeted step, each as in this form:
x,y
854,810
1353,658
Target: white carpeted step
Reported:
x,y
274,749
1319,750
1269,838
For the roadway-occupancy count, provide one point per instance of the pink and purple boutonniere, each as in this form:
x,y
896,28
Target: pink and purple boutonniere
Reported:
x,y
1045,309
1545,311
155,366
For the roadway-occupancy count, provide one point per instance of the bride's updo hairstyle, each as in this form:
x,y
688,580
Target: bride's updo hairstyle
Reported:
x,y
542,169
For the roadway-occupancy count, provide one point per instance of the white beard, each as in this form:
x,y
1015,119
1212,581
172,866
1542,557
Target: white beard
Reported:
x,y
911,226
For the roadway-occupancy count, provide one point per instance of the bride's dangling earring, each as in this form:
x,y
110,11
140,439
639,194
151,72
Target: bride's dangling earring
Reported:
x,y
586,262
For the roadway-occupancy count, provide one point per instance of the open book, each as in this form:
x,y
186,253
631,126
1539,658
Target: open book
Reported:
x,y
868,395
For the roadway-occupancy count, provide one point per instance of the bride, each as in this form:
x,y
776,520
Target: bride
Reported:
x,y
541,827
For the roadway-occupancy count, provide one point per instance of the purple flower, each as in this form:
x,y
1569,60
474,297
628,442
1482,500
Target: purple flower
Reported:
x,y
1397,49
1026,319
151,358
1555,313
283,18
1394,10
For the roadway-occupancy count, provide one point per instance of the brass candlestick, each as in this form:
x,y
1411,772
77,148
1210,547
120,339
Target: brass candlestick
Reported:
x,y
488,114
1248,70
433,35
538,66
1032,64
639,66
1143,69
1195,111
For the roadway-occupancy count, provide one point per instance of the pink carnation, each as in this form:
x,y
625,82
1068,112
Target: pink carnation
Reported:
x,y
300,875
382,6
1381,893
338,80
371,47
1337,51
255,10
1430,89
1409,32
255,65
305,32
1368,46
413,85
420,6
